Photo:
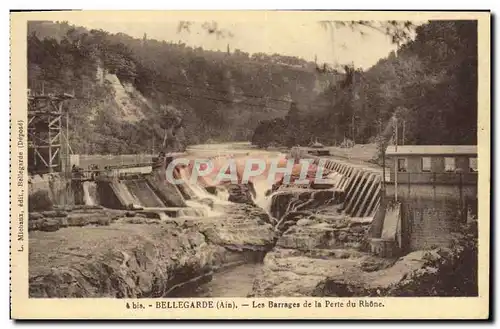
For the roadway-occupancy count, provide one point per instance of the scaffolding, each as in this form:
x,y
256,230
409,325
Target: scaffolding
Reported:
x,y
48,145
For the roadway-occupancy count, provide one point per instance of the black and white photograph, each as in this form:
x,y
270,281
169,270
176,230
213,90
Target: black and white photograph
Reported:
x,y
179,158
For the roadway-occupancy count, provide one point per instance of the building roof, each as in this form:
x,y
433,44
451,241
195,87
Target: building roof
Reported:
x,y
432,150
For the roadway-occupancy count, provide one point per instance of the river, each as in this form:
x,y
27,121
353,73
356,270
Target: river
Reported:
x,y
241,151
235,281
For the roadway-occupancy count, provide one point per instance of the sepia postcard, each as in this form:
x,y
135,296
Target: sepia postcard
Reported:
x,y
250,165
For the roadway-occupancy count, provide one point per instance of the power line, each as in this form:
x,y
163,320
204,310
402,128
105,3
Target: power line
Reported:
x,y
231,101
224,101
222,91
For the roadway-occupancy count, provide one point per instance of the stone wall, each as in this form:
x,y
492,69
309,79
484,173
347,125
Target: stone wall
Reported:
x,y
53,187
428,224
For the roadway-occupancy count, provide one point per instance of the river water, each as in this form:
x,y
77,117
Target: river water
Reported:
x,y
242,151
235,281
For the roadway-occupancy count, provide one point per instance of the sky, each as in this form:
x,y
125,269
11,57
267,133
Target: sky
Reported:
x,y
303,38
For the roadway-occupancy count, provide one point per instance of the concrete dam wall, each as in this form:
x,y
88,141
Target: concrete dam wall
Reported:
x,y
362,187
357,191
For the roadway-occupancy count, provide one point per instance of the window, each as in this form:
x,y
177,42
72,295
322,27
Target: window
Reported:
x,y
473,164
449,164
426,164
402,165
387,174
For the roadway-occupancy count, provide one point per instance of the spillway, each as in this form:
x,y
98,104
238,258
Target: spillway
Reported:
x,y
142,192
361,187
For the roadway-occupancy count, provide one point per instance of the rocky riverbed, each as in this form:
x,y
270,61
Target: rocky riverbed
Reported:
x,y
310,249
131,255
322,252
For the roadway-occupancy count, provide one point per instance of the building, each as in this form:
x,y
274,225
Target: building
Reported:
x,y
431,165
437,188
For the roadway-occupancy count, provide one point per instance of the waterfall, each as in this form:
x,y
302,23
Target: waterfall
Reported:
x,y
87,197
198,193
201,209
222,193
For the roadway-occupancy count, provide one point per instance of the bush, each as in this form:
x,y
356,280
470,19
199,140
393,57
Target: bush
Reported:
x,y
448,271
40,201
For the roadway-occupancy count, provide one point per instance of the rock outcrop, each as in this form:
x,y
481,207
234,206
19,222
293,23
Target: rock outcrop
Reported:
x,y
313,248
241,193
135,256
321,252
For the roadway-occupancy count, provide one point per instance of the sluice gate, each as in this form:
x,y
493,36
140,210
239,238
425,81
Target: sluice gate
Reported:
x,y
362,187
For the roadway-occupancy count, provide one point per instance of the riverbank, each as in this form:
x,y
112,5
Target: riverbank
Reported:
x,y
140,257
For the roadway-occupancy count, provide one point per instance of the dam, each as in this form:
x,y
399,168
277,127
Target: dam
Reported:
x,y
135,234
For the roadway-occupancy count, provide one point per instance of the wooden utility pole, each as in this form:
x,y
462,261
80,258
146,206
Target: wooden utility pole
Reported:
x,y
384,146
352,129
354,100
397,159
403,141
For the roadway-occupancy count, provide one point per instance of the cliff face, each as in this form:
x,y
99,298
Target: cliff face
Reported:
x,y
122,85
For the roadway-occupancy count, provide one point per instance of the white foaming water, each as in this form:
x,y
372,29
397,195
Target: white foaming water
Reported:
x,y
205,209
261,187
261,184
87,198
223,194
200,193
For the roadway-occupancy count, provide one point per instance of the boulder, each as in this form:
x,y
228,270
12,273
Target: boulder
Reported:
x,y
240,193
49,225
34,225
138,220
63,222
103,221
35,216
49,213
82,219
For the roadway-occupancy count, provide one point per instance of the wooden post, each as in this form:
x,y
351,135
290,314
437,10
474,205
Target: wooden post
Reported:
x,y
434,185
352,127
403,141
397,159
383,168
461,204
50,145
68,162
409,185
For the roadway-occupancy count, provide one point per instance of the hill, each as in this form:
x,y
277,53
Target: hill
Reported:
x,y
429,84
134,93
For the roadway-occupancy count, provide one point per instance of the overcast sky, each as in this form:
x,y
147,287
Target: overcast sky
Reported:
x,y
303,38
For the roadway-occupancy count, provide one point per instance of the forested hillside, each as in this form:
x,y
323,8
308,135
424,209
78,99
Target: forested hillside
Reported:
x,y
430,84
132,93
